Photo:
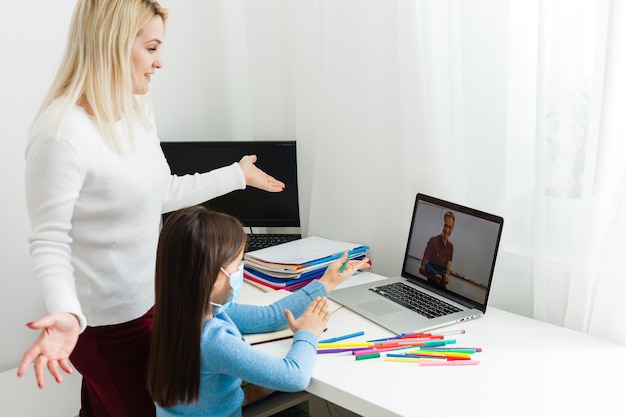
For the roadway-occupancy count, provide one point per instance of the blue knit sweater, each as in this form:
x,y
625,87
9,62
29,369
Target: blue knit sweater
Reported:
x,y
227,359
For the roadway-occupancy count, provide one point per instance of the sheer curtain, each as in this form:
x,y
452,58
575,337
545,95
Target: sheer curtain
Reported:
x,y
566,181
514,107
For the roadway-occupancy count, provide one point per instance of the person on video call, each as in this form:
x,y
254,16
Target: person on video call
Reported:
x,y
438,254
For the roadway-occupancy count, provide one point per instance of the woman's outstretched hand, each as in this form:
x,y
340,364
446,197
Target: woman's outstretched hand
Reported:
x,y
257,178
52,349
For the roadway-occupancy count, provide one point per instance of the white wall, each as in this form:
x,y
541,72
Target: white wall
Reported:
x,y
32,35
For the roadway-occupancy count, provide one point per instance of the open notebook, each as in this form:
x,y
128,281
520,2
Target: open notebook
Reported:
x,y
268,298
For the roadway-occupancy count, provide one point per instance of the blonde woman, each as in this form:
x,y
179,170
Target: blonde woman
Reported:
x,y
96,186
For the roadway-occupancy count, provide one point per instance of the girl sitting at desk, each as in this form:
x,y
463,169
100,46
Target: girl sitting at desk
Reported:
x,y
198,358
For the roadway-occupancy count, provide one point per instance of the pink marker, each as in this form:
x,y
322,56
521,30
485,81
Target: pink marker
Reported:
x,y
450,363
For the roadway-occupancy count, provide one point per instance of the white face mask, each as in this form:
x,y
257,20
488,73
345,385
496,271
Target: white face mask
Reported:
x,y
236,282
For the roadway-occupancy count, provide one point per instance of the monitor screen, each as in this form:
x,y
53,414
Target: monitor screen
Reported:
x,y
253,207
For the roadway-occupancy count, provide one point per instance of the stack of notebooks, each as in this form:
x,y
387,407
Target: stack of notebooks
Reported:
x,y
291,265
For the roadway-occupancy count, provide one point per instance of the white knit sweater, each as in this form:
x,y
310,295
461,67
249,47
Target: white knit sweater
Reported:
x,y
95,216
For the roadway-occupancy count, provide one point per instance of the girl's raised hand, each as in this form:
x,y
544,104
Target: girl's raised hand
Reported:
x,y
313,319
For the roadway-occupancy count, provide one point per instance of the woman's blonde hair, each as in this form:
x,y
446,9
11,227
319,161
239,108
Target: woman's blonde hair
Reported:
x,y
96,66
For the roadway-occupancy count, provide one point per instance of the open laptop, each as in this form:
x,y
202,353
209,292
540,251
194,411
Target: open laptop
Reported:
x,y
455,277
270,218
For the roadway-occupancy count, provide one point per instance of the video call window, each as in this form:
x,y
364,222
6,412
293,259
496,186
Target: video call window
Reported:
x,y
474,243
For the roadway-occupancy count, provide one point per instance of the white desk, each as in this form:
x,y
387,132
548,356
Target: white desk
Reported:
x,y
21,397
528,368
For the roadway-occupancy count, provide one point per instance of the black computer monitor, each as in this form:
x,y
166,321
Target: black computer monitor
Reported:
x,y
253,207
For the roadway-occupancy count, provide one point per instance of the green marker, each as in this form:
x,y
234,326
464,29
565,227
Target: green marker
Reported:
x,y
369,356
343,267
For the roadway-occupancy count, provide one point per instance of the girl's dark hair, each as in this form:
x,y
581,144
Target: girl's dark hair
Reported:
x,y
193,245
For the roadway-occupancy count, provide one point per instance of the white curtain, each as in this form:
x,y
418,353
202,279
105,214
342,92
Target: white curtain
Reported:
x,y
510,106
565,158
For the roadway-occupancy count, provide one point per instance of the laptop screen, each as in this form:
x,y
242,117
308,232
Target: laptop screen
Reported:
x,y
253,207
452,249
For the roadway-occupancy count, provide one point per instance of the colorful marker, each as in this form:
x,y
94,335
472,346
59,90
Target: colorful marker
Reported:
x,y
368,356
342,350
455,349
450,363
338,338
343,267
344,345
386,349
414,360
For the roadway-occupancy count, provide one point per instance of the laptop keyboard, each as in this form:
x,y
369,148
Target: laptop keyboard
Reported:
x,y
415,300
266,240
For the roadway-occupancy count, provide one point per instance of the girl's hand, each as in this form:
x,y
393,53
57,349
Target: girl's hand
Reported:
x,y
333,277
313,319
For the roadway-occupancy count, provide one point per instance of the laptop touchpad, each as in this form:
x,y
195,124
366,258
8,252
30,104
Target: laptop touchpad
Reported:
x,y
379,307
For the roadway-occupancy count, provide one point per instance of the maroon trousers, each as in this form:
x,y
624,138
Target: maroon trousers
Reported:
x,y
113,362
